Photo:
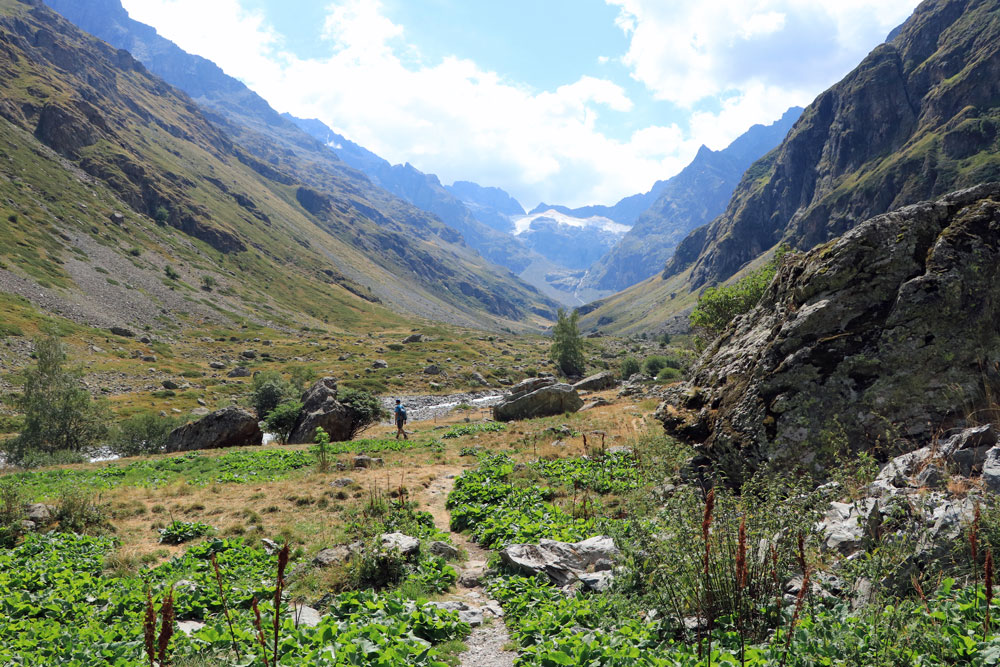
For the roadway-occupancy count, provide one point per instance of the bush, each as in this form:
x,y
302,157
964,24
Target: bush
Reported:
x,y
178,532
567,344
365,408
269,391
208,282
669,374
144,433
59,414
281,420
171,272
629,367
78,512
11,512
718,306
654,364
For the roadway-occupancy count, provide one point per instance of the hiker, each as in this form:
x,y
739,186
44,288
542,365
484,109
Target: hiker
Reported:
x,y
400,420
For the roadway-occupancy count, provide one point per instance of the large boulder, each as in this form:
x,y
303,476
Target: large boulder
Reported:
x,y
229,427
537,397
562,562
597,382
320,408
887,333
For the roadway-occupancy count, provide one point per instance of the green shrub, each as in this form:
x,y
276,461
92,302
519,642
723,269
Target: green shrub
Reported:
x,y
718,306
366,409
395,347
654,364
669,374
78,511
11,512
281,420
567,344
59,414
143,433
171,273
629,367
269,391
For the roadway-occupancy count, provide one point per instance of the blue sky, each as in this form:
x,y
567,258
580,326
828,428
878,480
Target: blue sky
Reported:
x,y
563,101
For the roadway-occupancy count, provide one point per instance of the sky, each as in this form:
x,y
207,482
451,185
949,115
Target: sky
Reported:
x,y
569,102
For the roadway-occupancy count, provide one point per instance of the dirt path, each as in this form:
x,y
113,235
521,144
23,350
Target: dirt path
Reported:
x,y
487,642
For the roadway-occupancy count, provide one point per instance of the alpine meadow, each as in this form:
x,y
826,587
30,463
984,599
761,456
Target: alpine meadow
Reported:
x,y
297,367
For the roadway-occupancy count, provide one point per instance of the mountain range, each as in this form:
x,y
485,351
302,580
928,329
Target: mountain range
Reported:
x,y
917,118
111,176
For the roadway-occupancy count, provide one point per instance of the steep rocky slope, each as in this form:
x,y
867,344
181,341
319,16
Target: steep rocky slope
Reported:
x,y
917,118
886,334
278,232
688,200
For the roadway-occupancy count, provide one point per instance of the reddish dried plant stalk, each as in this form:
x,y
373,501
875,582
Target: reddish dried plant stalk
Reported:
x,y
258,624
974,536
166,627
149,629
278,589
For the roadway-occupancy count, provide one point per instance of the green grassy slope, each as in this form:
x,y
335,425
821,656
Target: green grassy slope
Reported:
x,y
87,131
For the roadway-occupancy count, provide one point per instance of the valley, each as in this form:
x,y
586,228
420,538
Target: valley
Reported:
x,y
268,398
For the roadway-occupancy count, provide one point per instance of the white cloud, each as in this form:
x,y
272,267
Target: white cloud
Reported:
x,y
755,58
748,61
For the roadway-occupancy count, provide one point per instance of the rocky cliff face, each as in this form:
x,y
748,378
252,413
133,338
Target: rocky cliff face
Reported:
x,y
690,199
886,334
917,118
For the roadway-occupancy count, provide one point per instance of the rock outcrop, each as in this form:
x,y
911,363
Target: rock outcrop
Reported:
x,y
565,562
537,397
597,382
228,427
320,408
887,333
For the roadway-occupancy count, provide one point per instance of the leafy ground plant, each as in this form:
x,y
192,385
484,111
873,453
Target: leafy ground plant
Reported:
x,y
178,532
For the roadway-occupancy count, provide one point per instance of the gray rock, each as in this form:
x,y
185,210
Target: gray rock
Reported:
x,y
843,525
563,562
380,363
404,543
443,549
306,617
217,365
249,354
930,477
342,482
40,513
471,578
597,382
432,369
596,403
478,379
537,397
335,555
970,438
365,461
320,408
229,427
413,338
898,471
117,218
190,627
122,331
886,324
991,470
239,372
597,582
467,614
28,526
270,546
200,412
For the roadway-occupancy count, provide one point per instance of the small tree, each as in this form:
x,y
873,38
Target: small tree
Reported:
x,y
143,433
171,272
208,282
59,414
269,391
281,420
630,366
567,344
365,408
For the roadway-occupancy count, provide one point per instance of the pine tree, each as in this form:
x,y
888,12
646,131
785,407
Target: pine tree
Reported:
x,y
567,344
